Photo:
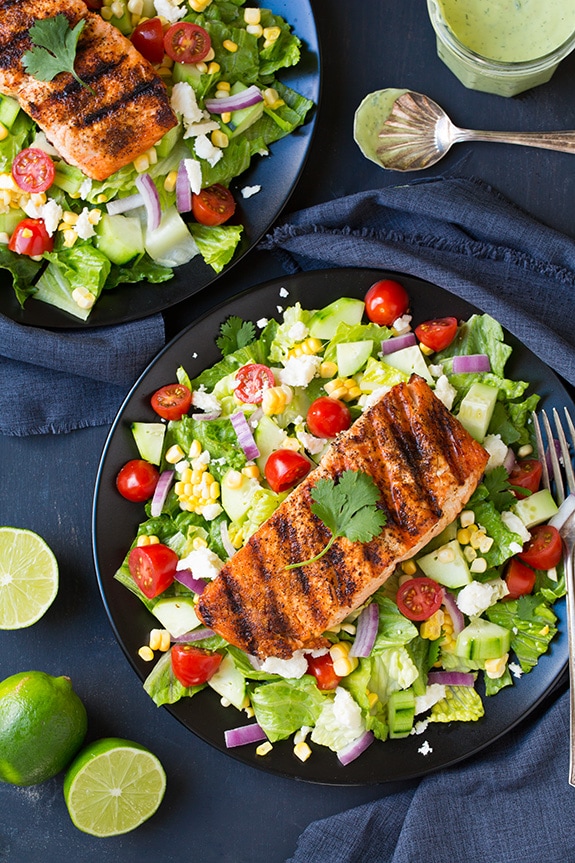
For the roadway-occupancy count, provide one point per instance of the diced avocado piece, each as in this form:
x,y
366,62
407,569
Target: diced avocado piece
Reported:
x,y
9,220
268,437
119,237
166,144
245,117
345,310
537,508
176,614
229,682
482,640
352,356
186,72
400,713
237,501
410,361
446,565
476,409
149,439
9,109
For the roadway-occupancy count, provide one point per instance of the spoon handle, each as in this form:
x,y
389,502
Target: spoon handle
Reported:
x,y
561,141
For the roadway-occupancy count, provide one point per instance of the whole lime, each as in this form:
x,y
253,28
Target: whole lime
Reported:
x,y
43,723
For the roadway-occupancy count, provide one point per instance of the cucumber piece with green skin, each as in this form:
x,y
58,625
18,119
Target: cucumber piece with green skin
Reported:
x,y
476,409
237,501
177,614
410,361
188,73
345,310
243,118
119,237
149,438
536,508
268,437
401,713
352,356
229,682
166,144
451,573
9,110
481,640
9,220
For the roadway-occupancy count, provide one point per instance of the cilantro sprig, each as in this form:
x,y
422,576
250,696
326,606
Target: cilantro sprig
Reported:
x,y
348,509
55,44
235,334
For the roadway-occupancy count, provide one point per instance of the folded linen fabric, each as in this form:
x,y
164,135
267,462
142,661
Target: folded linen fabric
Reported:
x,y
55,381
460,234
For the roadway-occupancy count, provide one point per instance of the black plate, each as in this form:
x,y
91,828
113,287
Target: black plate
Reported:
x,y
115,522
277,174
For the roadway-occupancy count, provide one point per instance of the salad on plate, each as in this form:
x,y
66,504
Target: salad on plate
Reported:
x,y
467,616
65,237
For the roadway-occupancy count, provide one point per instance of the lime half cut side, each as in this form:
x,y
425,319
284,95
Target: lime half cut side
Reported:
x,y
113,786
28,577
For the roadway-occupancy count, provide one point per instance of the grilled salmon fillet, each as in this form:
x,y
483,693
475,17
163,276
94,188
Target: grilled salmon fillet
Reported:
x,y
426,467
100,131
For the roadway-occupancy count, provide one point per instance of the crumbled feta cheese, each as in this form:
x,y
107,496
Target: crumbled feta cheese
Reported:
x,y
425,748
203,562
445,392
476,597
280,309
298,332
50,212
202,460
205,150
515,669
170,10
346,710
85,188
313,445
183,101
497,450
249,191
194,130
402,325
436,370
206,401
284,292
433,693
84,227
420,726
195,355
194,172
299,371
294,667
262,323
211,511
182,465
513,523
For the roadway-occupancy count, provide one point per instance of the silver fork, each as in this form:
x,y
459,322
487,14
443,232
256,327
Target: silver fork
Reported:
x,y
567,531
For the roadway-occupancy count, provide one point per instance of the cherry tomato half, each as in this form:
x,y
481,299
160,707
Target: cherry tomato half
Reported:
x,y
252,380
322,669
419,598
137,480
326,417
545,548
526,473
172,401
213,205
33,170
438,333
148,39
386,301
187,43
152,567
520,579
194,665
30,237
285,468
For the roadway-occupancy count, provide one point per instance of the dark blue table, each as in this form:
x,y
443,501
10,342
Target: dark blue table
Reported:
x,y
217,810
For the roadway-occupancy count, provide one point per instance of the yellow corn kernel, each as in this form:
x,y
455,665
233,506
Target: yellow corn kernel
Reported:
x,y
155,639
94,216
3,132
275,399
478,565
226,116
233,479
69,218
271,34
272,98
174,454
327,369
223,86
117,8
141,163
463,536
8,182
448,640
302,751
219,139
403,578
544,631
495,668
213,68
524,451
250,712
343,663
372,698
264,748
309,346
199,542
252,15
252,471
215,490
179,487
469,553
291,443
476,538
431,628
485,544
408,567
202,67
350,628
145,652
101,199
145,539
106,13
195,448
199,5
467,517
186,475
83,298
136,7
165,641
446,555
255,30
39,198
152,155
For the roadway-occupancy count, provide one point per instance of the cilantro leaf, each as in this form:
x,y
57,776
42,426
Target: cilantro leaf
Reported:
x,y
234,334
497,483
54,50
348,509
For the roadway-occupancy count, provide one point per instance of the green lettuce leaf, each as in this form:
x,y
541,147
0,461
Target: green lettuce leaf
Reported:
x,y
163,686
283,706
461,703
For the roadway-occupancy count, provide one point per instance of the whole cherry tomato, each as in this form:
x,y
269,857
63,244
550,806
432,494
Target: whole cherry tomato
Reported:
x,y
326,417
385,302
137,480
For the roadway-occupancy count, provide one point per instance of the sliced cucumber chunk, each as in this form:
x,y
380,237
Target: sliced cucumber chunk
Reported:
x,y
119,237
176,614
410,361
345,310
352,356
268,437
537,508
476,409
149,439
237,501
400,713
446,565
9,110
229,682
482,640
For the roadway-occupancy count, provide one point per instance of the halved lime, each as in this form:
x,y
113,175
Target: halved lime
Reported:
x,y
28,577
113,786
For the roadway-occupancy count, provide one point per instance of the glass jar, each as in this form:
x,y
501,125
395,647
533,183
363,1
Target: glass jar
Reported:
x,y
479,72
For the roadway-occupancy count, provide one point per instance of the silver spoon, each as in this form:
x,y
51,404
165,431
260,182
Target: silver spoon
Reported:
x,y
417,133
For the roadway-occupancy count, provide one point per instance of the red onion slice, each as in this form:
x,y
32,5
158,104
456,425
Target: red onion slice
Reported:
x,y
194,635
397,343
147,188
471,364
509,460
209,415
366,633
226,541
244,734
245,437
183,189
454,612
186,577
353,750
161,492
451,678
123,205
244,99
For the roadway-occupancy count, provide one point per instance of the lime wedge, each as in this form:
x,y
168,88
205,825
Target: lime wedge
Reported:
x,y
113,786
28,577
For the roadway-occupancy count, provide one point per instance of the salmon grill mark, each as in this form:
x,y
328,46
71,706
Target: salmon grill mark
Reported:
x,y
242,623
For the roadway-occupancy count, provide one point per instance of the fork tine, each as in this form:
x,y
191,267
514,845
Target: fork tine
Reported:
x,y
541,450
557,475
566,455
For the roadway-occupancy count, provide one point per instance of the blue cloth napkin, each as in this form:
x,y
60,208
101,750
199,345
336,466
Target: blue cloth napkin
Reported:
x,y
54,381
460,234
